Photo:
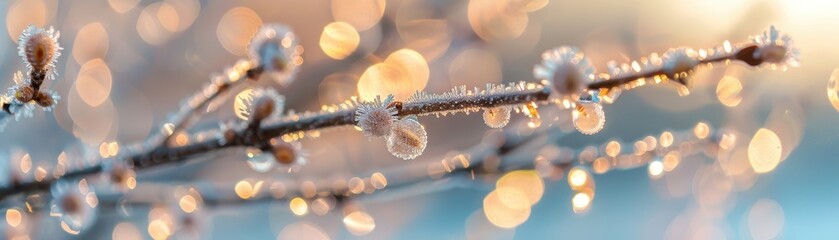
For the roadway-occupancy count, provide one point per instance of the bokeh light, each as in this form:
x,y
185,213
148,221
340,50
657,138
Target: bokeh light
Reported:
x,y
359,223
764,151
236,28
339,40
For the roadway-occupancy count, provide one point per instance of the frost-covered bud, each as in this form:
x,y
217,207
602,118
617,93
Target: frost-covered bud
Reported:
x,y
39,48
376,118
44,100
284,156
776,48
25,94
567,70
588,118
497,117
677,63
262,108
247,104
121,176
407,139
73,204
284,153
274,48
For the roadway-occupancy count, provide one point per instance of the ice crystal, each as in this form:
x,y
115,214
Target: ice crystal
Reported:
x,y
376,118
407,139
497,117
588,118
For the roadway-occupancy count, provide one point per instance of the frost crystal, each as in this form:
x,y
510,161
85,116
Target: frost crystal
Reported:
x,y
567,70
39,48
588,118
677,63
274,48
74,204
497,117
777,48
375,118
407,139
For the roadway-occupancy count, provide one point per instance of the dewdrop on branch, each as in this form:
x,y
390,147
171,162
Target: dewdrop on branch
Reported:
x,y
376,118
588,118
274,48
283,156
407,139
39,49
567,70
497,117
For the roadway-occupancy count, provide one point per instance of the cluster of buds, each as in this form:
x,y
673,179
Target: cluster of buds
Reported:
x,y
40,50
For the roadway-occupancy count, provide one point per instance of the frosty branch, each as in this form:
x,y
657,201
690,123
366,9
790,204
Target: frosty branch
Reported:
x,y
568,81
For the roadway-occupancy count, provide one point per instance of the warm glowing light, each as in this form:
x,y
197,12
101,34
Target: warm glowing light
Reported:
x,y
490,20
25,163
94,82
655,169
766,219
14,217
728,91
302,230
764,151
356,185
339,40
188,203
613,148
527,181
298,206
236,28
601,165
91,43
701,130
671,160
159,230
122,6
23,13
361,14
413,64
359,223
244,189
577,177
155,21
126,231
382,79
833,89
581,202
666,139
378,180
506,207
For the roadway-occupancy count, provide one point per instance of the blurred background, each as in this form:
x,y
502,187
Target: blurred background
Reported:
x,y
127,63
